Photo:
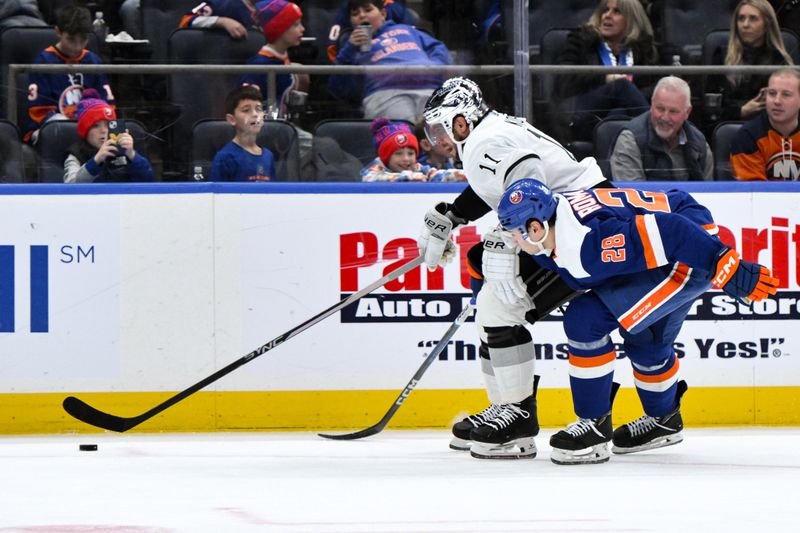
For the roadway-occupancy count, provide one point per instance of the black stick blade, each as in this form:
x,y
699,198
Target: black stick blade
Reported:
x,y
374,430
88,414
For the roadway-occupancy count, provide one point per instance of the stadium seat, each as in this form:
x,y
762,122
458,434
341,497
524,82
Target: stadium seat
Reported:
x,y
353,136
22,45
685,23
57,136
544,15
12,169
555,112
159,19
604,137
280,137
202,95
721,141
716,40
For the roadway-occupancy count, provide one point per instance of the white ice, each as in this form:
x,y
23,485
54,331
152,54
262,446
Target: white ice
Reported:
x,y
724,480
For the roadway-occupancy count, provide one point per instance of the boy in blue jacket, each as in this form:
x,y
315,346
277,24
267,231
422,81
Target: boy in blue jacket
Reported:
x,y
395,96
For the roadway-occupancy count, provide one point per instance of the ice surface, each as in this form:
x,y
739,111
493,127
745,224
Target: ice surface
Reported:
x,y
398,481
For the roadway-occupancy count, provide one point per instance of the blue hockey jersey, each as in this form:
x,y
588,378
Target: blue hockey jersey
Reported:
x,y
234,163
49,94
604,233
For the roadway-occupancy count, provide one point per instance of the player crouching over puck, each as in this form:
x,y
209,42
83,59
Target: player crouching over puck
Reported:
x,y
642,258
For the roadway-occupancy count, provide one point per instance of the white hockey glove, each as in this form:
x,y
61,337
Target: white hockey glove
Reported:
x,y
501,267
434,240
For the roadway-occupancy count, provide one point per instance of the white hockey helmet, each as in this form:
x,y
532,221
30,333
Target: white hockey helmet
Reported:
x,y
456,96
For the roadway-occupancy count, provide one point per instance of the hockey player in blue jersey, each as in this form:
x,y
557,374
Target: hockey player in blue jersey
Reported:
x,y
643,258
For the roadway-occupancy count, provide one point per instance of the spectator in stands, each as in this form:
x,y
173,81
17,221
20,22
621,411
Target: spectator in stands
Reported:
x,y
341,28
755,39
440,155
20,13
233,16
661,144
398,149
98,156
56,96
281,24
396,96
243,159
763,149
618,33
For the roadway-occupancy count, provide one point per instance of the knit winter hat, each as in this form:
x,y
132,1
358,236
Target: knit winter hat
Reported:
x,y
274,17
391,136
92,110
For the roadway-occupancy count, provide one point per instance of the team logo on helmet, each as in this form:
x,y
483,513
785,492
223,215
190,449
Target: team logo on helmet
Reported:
x,y
515,197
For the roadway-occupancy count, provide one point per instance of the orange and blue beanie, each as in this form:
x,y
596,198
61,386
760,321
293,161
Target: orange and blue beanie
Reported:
x,y
91,111
274,17
388,137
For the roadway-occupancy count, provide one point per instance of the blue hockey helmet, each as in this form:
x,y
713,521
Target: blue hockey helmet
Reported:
x,y
526,200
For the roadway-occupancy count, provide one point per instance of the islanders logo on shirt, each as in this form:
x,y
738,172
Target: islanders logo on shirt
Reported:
x,y
68,101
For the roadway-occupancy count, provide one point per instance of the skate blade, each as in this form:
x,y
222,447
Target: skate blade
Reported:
x,y
460,444
588,456
524,448
668,440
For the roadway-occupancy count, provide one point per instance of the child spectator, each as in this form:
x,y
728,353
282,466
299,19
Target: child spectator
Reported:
x,y
283,29
243,159
341,28
397,96
439,155
97,157
56,96
398,148
233,16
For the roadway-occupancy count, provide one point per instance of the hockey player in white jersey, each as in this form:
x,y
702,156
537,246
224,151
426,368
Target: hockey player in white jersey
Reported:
x,y
498,150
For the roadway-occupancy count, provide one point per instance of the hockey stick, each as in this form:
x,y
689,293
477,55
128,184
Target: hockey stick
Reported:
x,y
440,346
86,413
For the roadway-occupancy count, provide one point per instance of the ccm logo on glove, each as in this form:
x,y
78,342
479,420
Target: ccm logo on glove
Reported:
x,y
726,267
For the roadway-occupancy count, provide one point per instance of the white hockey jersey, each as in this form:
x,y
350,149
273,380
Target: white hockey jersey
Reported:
x,y
503,149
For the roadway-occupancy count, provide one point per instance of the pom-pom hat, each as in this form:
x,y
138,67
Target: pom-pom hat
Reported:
x,y
274,17
92,110
391,136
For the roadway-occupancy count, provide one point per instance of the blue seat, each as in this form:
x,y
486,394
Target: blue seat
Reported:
x,y
721,140
12,168
604,138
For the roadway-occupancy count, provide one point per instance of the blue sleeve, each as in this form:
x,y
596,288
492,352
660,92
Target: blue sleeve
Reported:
x,y
347,54
436,49
617,246
139,169
221,168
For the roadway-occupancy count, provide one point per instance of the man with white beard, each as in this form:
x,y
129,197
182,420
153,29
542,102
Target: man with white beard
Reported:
x,y
661,144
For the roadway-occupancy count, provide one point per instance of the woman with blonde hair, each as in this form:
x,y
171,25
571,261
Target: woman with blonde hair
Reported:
x,y
755,39
617,33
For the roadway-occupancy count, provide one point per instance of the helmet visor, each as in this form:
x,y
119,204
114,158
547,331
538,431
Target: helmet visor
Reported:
x,y
436,133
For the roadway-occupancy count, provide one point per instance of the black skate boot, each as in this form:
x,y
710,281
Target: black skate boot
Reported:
x,y
509,435
585,441
648,432
461,430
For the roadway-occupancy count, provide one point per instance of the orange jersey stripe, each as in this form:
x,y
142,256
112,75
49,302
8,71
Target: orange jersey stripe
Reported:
x,y
649,254
673,284
591,362
658,378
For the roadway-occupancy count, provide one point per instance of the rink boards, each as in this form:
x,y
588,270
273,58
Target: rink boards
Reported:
x,y
125,295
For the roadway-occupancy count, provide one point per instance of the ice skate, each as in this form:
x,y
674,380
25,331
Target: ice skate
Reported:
x,y
461,430
585,441
509,435
649,432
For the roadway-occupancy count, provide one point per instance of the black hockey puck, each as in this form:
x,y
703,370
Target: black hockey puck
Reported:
x,y
88,447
